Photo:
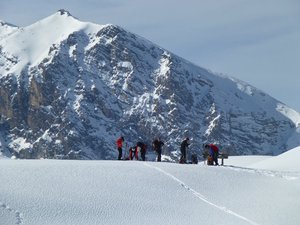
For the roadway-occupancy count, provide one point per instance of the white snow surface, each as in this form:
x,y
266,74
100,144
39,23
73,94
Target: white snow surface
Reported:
x,y
288,161
6,29
52,192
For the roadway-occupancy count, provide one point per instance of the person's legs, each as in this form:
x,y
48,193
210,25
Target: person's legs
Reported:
x,y
216,158
184,156
143,155
120,153
159,156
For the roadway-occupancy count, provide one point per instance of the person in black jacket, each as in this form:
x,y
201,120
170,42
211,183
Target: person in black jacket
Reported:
x,y
183,149
142,148
157,146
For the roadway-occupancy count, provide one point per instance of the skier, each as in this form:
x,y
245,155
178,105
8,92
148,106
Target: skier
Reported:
x,y
157,146
141,147
119,143
183,149
213,153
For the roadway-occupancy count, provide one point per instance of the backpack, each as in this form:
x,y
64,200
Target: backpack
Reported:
x,y
194,159
210,161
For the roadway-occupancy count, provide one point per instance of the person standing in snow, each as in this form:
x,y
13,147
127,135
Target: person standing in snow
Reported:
x,y
157,146
213,152
141,147
183,149
119,143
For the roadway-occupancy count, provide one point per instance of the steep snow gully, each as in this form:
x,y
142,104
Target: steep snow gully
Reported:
x,y
200,196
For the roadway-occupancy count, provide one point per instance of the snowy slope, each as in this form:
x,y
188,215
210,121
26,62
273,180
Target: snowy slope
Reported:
x,y
53,192
288,161
32,43
6,29
69,88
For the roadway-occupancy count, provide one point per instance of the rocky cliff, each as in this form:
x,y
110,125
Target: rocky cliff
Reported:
x,y
68,89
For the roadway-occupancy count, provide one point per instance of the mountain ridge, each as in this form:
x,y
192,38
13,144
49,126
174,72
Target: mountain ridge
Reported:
x,y
71,87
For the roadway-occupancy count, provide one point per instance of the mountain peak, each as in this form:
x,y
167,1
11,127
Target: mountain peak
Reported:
x,y
6,29
64,12
5,24
60,15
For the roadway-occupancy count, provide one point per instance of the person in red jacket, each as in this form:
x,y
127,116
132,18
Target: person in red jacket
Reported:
x,y
119,142
213,152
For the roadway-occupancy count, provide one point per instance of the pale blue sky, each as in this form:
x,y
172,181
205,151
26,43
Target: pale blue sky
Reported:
x,y
257,41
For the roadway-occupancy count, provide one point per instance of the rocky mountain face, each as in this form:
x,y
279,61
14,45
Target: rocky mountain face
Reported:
x,y
68,89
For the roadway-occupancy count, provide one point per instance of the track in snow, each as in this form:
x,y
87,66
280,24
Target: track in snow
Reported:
x,y
200,196
271,173
17,214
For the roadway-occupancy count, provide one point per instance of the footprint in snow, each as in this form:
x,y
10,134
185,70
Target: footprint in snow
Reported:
x,y
17,214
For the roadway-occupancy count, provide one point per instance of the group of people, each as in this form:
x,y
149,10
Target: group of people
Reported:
x,y
141,148
211,151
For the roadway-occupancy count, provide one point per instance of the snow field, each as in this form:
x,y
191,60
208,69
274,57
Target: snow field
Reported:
x,y
54,192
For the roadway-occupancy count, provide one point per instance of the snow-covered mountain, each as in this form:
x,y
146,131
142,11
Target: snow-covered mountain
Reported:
x,y
70,88
6,29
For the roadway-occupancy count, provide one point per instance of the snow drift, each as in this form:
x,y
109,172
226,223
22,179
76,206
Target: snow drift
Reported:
x,y
287,161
